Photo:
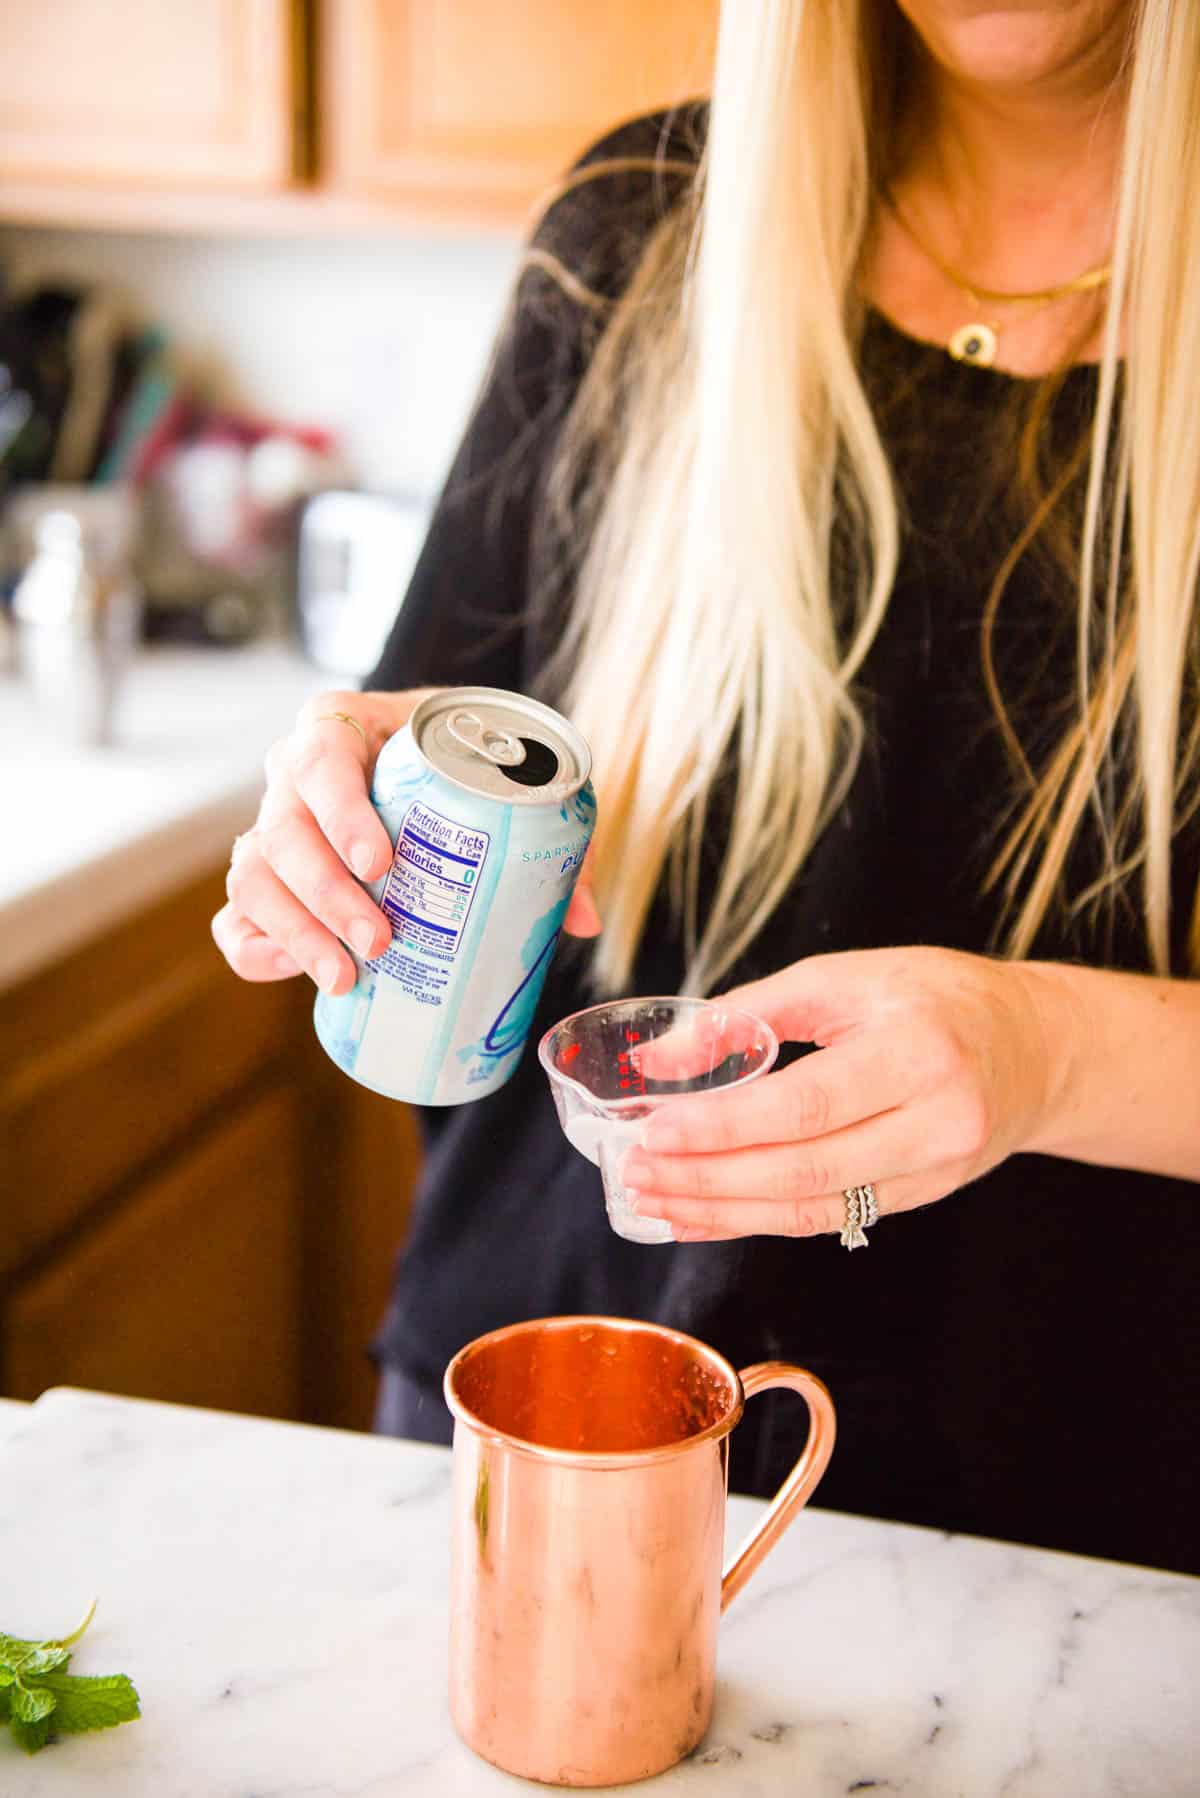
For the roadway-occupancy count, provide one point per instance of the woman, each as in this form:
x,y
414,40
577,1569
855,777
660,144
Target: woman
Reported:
x,y
839,474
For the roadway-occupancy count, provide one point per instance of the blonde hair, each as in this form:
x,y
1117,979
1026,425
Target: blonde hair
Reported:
x,y
722,432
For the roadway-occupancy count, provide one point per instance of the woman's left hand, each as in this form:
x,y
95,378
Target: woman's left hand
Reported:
x,y
933,1067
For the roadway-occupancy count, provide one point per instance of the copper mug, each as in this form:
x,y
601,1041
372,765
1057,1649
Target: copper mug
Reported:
x,y
590,1474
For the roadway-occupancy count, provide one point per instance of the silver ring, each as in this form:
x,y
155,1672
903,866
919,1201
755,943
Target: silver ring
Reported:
x,y
862,1210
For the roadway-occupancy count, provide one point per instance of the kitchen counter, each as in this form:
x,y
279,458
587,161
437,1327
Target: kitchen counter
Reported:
x,y
92,835
278,1595
12,1413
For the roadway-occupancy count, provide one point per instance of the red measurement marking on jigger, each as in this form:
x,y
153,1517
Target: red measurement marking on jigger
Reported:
x,y
629,1072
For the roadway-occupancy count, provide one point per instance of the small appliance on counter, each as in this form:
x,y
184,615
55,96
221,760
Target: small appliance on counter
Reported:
x,y
355,554
220,521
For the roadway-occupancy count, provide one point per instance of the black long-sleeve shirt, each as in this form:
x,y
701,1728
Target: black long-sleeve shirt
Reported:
x,y
1019,1360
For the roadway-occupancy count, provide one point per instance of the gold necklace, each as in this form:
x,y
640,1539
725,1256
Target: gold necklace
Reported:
x,y
976,342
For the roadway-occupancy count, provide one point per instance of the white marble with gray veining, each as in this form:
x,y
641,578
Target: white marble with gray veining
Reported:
x,y
278,1595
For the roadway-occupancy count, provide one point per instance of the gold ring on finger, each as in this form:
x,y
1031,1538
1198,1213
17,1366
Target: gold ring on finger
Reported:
x,y
344,718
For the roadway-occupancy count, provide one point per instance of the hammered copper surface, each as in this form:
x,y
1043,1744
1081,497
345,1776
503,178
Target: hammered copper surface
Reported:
x,y
590,1466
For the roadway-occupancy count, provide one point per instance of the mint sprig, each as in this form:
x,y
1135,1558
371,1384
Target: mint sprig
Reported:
x,y
39,1698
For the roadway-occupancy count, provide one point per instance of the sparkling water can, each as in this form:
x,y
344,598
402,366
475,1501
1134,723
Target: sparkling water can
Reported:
x,y
487,799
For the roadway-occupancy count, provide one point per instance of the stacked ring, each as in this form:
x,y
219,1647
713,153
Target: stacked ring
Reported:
x,y
862,1210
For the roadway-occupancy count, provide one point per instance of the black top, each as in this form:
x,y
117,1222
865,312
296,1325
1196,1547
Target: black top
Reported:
x,y
1019,1360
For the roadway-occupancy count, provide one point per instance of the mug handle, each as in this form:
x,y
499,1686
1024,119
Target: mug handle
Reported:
x,y
801,1482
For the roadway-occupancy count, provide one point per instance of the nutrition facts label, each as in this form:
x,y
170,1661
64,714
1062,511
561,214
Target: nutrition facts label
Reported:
x,y
430,890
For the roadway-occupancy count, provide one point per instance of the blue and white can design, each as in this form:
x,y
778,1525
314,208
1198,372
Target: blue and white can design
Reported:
x,y
487,799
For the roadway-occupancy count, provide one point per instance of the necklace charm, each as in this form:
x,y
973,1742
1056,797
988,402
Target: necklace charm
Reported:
x,y
974,343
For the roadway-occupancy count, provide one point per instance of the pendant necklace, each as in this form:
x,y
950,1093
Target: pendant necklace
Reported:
x,y
977,341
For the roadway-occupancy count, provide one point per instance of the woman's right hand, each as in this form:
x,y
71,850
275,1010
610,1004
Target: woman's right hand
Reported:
x,y
294,899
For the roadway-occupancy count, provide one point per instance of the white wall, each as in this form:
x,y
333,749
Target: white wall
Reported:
x,y
383,339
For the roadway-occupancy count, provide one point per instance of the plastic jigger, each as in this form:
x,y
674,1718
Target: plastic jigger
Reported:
x,y
612,1065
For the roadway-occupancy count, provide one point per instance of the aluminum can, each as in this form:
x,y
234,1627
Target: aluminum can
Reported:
x,y
487,799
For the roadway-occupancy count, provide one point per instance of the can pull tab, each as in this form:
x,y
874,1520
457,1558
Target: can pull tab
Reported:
x,y
498,746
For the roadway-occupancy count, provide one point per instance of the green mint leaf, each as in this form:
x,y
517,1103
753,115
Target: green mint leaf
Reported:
x,y
90,1703
46,1660
30,1736
14,1652
32,1657
31,1703
37,1693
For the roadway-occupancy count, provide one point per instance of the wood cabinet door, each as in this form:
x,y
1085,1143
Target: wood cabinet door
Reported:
x,y
191,1290
136,1039
481,104
147,92
361,1163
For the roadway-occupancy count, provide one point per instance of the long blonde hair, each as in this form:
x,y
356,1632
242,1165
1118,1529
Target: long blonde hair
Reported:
x,y
722,431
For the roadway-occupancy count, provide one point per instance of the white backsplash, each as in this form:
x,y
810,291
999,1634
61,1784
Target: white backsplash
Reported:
x,y
384,339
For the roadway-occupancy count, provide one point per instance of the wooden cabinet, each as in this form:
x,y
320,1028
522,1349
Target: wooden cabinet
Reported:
x,y
196,1204
485,102
309,115
192,1289
194,92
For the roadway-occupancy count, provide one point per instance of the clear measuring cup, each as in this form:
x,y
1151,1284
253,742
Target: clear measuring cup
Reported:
x,y
612,1065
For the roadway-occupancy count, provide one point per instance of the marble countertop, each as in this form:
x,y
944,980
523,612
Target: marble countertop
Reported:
x,y
91,835
12,1411
278,1595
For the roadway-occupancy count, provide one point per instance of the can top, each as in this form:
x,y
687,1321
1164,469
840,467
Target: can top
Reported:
x,y
501,745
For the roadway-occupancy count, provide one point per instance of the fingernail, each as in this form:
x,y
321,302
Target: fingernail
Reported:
x,y
362,858
362,937
635,1167
328,973
285,965
661,1137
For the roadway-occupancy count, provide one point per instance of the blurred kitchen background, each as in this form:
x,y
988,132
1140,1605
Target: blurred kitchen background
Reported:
x,y
252,255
